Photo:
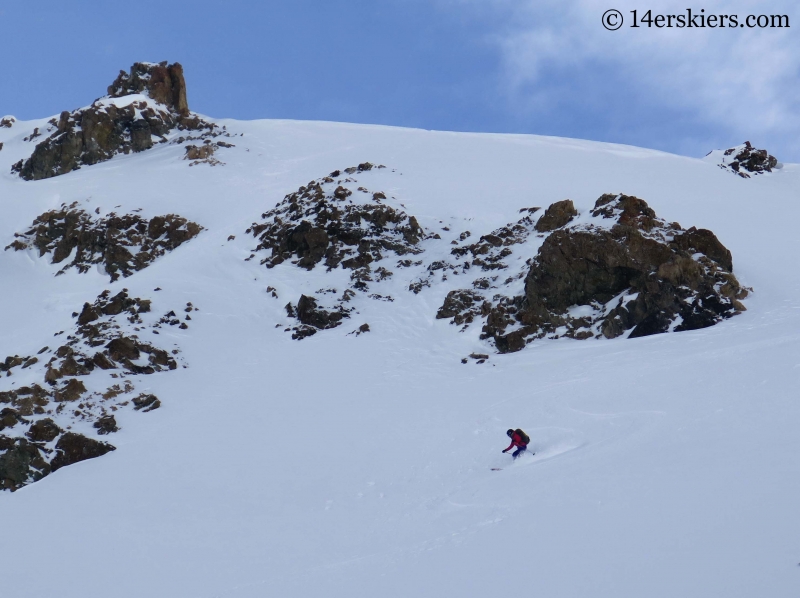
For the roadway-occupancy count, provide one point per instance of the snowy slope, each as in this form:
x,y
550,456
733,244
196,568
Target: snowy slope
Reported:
x,y
348,466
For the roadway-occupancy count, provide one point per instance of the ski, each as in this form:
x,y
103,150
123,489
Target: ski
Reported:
x,y
501,469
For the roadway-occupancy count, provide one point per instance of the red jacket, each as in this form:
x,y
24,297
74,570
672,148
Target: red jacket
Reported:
x,y
516,440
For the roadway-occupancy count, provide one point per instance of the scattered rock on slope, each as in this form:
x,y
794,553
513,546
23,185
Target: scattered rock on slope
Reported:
x,y
35,418
491,253
121,244
338,223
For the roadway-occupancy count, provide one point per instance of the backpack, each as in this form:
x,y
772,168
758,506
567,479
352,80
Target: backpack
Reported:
x,y
525,438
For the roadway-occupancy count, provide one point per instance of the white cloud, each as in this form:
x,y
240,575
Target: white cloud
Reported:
x,y
740,80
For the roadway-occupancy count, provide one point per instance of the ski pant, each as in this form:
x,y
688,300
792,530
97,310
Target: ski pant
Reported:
x,y
519,451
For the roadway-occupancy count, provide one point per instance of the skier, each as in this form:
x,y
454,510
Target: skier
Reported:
x,y
519,439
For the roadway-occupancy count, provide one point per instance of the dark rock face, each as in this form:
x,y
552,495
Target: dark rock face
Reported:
x,y
9,418
310,315
745,160
122,244
44,430
106,425
638,273
162,82
557,215
73,448
116,123
20,463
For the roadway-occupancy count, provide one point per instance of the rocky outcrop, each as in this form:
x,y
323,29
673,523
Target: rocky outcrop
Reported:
x,y
335,222
121,244
745,160
329,221
21,462
557,215
162,82
308,313
43,430
463,306
35,418
626,271
106,425
312,317
118,349
142,108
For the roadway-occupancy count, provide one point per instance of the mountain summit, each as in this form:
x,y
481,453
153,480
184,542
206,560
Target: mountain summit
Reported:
x,y
141,109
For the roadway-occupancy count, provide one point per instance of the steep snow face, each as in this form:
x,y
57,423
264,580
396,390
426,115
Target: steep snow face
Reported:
x,y
345,464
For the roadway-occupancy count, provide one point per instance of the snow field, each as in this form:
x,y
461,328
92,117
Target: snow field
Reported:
x,y
343,466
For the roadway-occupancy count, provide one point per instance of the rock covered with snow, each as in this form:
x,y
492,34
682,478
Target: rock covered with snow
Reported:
x,y
745,160
623,270
335,222
85,379
122,244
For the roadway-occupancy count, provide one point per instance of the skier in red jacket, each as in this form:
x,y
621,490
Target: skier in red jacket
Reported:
x,y
519,439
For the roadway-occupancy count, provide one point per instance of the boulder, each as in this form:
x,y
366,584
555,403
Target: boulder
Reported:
x,y
309,314
43,430
73,448
557,215
71,391
106,425
146,402
9,418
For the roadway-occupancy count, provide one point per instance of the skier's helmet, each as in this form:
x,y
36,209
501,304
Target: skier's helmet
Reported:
x,y
510,433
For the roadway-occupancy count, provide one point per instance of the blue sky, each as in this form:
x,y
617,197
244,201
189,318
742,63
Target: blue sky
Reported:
x,y
525,66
